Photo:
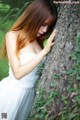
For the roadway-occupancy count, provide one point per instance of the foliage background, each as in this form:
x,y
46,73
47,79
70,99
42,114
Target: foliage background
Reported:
x,y
10,10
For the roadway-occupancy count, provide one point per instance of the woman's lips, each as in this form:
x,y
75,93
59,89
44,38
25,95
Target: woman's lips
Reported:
x,y
42,33
39,34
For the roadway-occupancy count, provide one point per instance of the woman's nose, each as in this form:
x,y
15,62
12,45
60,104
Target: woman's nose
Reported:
x,y
45,28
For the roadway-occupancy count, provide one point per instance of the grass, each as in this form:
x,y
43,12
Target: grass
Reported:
x,y
3,68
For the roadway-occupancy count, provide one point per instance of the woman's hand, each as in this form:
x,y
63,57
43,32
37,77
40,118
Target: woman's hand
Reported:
x,y
50,42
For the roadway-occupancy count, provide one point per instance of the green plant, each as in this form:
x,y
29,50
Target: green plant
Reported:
x,y
45,100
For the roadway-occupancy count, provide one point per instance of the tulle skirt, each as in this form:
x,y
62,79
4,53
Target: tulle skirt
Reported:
x,y
15,102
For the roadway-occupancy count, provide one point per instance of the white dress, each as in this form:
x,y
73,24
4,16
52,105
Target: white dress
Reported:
x,y
17,96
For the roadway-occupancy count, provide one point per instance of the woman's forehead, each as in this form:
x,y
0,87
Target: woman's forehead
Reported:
x,y
48,21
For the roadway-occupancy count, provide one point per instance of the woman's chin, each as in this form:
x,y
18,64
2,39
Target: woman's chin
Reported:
x,y
38,35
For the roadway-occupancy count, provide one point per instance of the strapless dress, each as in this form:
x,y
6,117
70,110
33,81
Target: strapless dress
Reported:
x,y
17,96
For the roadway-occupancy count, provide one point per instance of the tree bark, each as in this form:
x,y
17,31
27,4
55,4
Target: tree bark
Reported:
x,y
59,60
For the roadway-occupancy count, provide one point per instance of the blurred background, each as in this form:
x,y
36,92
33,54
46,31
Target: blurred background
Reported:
x,y
10,10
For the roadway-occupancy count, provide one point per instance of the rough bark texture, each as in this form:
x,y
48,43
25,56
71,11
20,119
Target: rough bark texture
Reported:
x,y
58,60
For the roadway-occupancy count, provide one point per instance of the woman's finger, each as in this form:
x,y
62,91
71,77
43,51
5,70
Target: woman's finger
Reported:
x,y
52,35
52,44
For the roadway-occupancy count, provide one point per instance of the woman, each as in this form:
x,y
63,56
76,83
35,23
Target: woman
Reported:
x,y
24,49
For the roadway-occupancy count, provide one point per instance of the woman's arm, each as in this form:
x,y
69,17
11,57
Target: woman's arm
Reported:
x,y
21,70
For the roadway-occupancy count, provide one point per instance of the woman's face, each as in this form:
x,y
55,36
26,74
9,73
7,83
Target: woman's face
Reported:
x,y
42,30
45,26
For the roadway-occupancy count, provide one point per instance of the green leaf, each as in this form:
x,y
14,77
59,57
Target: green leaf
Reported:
x,y
45,41
78,78
52,84
69,72
56,76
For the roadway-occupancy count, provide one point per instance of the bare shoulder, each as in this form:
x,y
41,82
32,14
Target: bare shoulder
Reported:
x,y
10,35
11,38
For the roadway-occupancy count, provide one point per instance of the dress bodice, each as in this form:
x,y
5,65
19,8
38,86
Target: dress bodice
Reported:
x,y
29,80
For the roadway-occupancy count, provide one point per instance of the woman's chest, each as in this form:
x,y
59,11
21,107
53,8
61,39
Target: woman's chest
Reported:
x,y
29,48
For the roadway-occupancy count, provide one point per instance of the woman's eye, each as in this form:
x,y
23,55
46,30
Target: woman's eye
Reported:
x,y
43,25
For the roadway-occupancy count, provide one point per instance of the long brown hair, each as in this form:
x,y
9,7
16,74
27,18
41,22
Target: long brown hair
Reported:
x,y
30,22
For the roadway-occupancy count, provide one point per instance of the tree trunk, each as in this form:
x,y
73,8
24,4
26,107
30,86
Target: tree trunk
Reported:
x,y
57,75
